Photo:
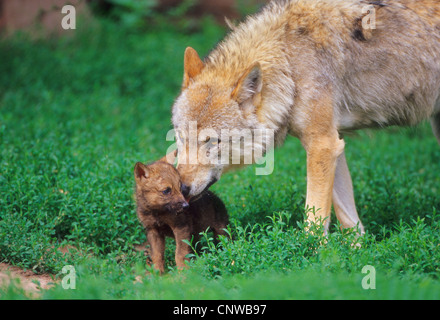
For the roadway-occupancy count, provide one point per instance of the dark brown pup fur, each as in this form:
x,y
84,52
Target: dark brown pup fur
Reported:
x,y
163,211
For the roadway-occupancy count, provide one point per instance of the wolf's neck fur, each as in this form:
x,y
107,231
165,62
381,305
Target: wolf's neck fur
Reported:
x,y
258,39
268,38
301,46
261,38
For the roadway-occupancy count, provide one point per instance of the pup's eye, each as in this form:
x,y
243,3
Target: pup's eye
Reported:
x,y
167,191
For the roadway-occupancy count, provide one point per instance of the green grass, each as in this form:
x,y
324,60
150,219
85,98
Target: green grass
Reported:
x,y
77,113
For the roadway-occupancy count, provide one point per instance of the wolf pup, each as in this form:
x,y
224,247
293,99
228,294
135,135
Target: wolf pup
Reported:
x,y
163,211
314,69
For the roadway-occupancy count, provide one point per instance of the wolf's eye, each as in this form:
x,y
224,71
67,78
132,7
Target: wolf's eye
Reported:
x,y
210,142
167,191
180,136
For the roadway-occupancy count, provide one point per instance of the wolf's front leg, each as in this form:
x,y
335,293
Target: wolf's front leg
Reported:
x,y
322,154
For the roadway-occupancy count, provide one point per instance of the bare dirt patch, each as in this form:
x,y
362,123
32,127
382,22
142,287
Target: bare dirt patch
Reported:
x,y
27,280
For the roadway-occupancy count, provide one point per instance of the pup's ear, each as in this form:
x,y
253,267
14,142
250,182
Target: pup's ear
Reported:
x,y
140,171
249,85
170,157
193,65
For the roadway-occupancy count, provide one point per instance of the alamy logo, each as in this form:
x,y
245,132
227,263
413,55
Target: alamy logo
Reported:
x,y
69,280
69,20
369,281
224,147
369,20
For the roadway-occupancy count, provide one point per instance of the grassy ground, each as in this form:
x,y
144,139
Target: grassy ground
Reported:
x,y
75,116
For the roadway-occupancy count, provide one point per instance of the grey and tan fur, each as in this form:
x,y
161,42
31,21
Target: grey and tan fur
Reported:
x,y
309,69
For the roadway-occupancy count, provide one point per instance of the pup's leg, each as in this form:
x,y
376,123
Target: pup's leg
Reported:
x,y
157,244
343,199
435,124
182,249
323,149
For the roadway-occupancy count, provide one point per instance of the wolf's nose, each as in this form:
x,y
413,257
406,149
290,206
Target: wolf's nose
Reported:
x,y
185,205
185,190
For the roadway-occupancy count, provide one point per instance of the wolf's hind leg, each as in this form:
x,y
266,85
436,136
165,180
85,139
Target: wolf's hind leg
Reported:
x,y
343,198
435,124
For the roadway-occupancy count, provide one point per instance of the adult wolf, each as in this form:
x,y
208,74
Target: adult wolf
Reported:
x,y
314,69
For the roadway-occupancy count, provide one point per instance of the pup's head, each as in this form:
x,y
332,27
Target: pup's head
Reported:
x,y
158,187
213,102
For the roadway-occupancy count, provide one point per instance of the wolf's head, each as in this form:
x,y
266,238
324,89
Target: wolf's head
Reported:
x,y
215,119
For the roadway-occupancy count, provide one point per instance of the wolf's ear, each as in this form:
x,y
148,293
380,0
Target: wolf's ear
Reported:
x,y
249,85
193,65
140,171
170,157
